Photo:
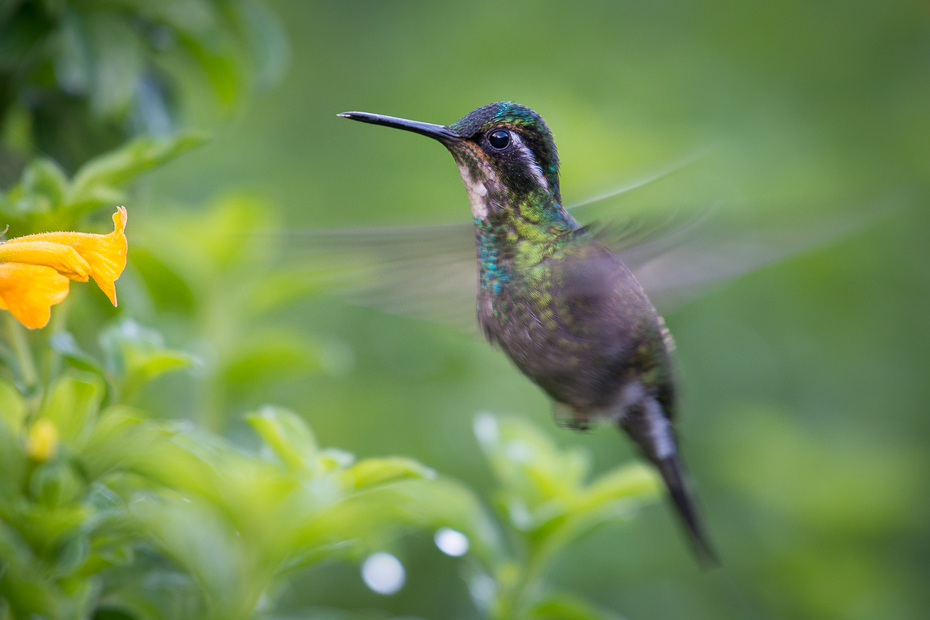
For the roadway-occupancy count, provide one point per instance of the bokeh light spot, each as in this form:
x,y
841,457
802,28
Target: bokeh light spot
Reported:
x,y
485,428
451,542
383,573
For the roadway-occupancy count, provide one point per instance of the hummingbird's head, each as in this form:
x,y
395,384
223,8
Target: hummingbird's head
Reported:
x,y
505,153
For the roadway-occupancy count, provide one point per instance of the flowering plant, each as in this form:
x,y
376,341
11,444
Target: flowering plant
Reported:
x,y
35,269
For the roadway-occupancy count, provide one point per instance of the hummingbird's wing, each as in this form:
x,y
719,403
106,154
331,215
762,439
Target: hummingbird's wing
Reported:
x,y
430,272
425,272
688,263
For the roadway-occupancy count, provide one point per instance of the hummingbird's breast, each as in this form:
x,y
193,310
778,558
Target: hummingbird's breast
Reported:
x,y
571,316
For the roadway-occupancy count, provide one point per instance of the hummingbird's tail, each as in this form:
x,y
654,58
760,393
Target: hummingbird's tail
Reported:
x,y
671,471
645,421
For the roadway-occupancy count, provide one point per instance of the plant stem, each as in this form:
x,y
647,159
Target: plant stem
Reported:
x,y
516,599
52,359
27,366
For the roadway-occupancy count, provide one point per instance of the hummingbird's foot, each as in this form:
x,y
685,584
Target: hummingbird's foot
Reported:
x,y
568,417
581,426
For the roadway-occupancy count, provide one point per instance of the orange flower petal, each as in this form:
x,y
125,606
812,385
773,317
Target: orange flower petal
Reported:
x,y
29,292
105,254
62,258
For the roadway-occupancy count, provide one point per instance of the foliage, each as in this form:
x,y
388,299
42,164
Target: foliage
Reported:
x,y
77,78
46,199
110,484
214,272
547,505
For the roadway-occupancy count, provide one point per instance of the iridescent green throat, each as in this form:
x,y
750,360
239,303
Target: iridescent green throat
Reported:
x,y
517,238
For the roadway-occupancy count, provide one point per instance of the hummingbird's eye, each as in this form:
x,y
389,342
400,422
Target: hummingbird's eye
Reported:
x,y
499,139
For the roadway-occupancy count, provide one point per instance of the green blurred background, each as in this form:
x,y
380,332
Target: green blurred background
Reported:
x,y
806,383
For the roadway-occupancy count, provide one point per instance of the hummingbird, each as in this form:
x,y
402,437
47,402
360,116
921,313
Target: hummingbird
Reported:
x,y
564,308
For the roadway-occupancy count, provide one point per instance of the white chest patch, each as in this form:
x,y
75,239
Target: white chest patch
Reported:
x,y
477,193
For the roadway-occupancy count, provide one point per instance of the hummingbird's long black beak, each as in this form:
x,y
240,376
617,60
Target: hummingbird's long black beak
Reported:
x,y
438,132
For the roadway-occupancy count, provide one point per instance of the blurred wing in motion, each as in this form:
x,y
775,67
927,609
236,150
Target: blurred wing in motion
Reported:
x,y
430,272
425,272
674,270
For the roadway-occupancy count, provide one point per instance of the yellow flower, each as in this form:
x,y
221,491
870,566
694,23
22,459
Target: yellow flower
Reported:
x,y
42,442
29,292
34,270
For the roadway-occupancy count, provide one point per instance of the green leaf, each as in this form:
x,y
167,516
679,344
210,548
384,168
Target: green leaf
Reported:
x,y
538,480
200,464
72,555
46,183
197,537
13,548
122,439
54,484
100,179
273,356
268,42
72,406
377,472
83,599
167,288
197,17
151,592
221,64
73,64
138,355
564,607
12,407
428,504
612,498
117,64
46,527
40,192
148,365
64,343
28,595
631,481
288,436
13,462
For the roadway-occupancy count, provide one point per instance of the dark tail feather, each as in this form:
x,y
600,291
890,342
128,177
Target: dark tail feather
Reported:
x,y
671,471
645,420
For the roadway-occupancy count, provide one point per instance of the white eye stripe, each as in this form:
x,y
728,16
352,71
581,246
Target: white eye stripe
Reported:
x,y
535,169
